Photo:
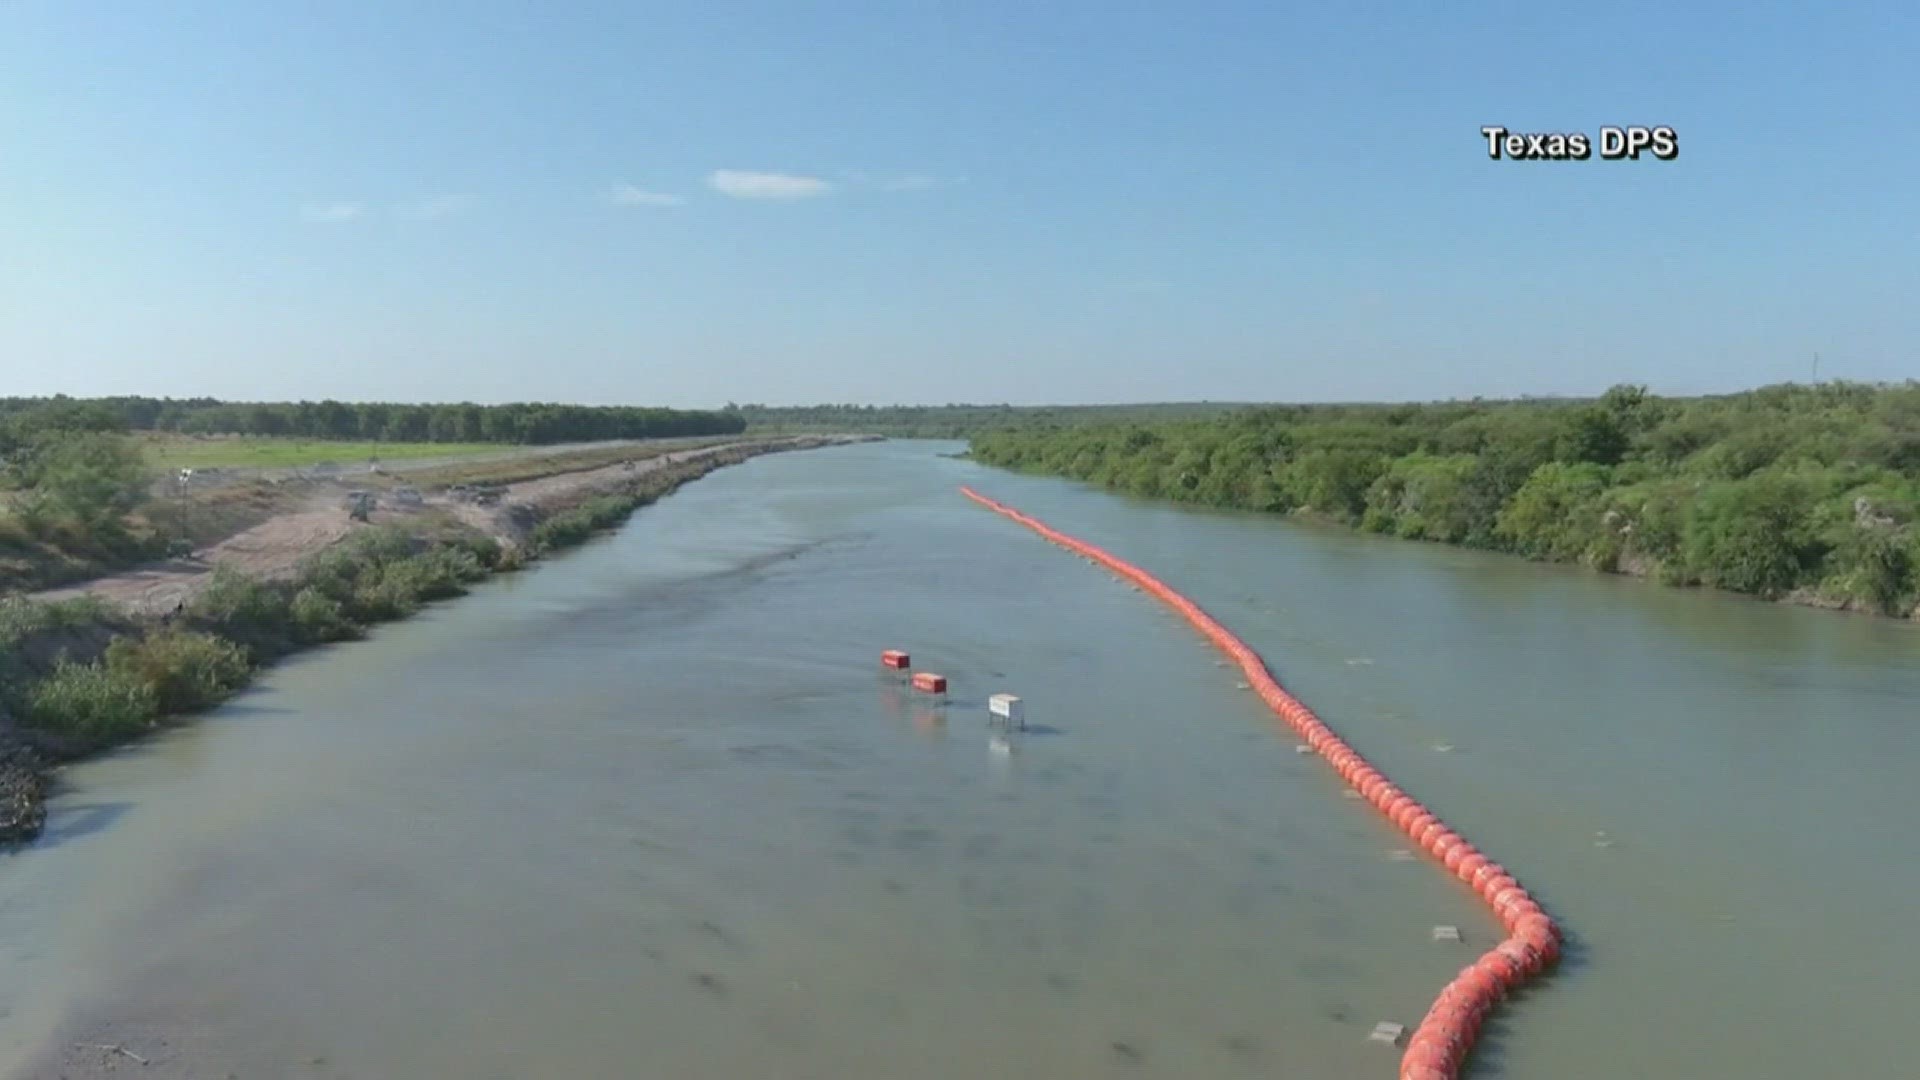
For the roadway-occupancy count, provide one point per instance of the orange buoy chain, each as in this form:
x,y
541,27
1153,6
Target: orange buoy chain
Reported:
x,y
1440,1045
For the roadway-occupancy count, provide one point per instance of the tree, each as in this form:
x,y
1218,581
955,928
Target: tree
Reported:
x,y
1336,481
1754,535
94,478
1595,434
1556,514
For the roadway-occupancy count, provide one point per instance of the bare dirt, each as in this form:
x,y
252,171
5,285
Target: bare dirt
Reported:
x,y
316,517
269,549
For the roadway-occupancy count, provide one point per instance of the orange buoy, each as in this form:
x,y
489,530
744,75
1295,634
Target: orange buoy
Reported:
x,y
896,660
1439,1047
928,682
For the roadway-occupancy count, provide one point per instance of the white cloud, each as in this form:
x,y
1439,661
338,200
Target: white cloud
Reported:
x,y
445,206
334,213
625,194
767,185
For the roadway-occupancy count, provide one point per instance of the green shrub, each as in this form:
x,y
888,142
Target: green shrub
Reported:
x,y
379,596
1755,535
384,574
1557,513
570,527
448,571
1877,567
381,544
1335,481
319,617
183,669
91,703
562,530
486,551
1424,497
232,599
434,575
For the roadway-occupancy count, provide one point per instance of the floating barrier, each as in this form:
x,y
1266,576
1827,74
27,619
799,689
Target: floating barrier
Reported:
x,y
929,683
1439,1046
896,660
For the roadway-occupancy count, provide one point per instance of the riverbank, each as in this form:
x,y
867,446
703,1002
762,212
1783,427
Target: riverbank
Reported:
x,y
93,665
1806,495
295,516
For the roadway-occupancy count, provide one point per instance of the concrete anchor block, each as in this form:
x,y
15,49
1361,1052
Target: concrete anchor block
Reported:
x,y
1400,855
1446,933
1302,748
1386,1031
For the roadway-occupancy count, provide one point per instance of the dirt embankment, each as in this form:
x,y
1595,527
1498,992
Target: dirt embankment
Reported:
x,y
311,517
316,516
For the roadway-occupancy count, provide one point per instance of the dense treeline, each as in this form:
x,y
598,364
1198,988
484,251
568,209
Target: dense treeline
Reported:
x,y
1805,490
957,421
532,423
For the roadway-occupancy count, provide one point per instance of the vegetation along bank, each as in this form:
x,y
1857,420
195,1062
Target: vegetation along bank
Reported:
x,y
93,665
1809,494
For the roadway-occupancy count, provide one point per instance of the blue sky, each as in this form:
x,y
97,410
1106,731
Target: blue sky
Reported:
x,y
985,201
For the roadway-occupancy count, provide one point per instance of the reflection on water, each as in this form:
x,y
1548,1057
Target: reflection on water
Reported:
x,y
654,810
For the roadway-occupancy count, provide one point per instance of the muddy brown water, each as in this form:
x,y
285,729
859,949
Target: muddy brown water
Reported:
x,y
653,810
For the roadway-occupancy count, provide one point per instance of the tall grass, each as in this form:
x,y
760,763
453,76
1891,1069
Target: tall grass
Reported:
x,y
91,704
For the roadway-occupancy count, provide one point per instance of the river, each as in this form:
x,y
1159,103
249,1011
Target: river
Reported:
x,y
652,809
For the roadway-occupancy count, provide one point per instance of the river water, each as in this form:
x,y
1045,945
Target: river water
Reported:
x,y
652,810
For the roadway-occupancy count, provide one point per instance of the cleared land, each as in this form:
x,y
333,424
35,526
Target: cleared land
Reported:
x,y
304,516
221,501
